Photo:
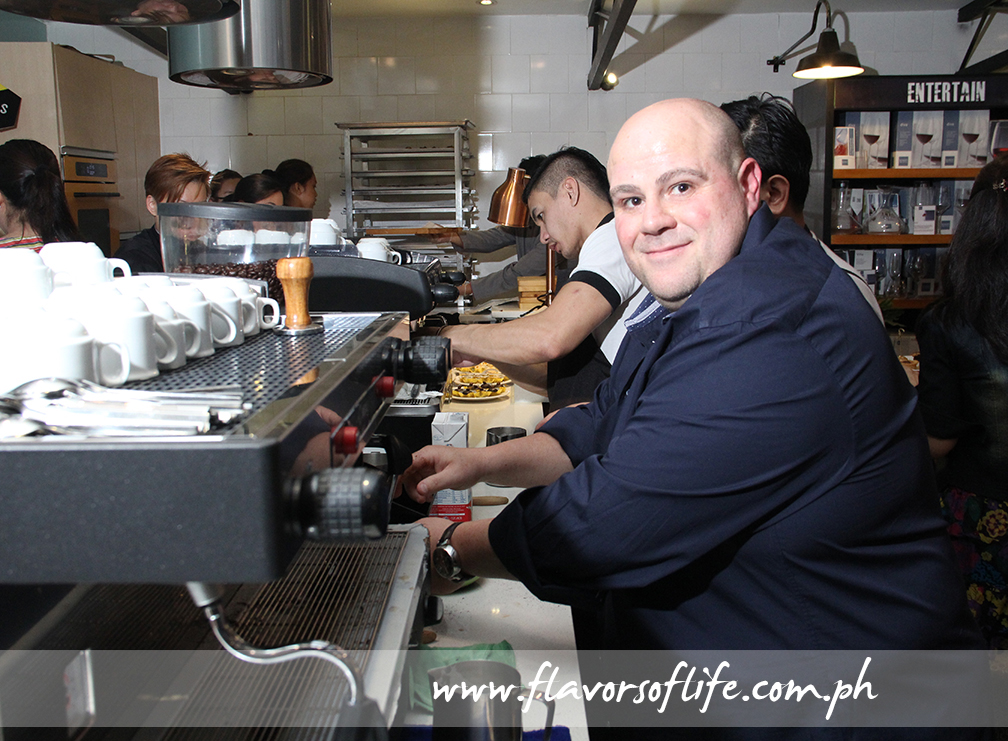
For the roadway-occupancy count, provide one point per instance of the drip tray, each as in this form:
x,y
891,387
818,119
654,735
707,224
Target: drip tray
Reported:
x,y
364,598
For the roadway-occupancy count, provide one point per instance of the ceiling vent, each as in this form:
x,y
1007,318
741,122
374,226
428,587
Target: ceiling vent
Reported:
x,y
268,45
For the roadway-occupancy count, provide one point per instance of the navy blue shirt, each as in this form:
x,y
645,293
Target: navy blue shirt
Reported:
x,y
753,475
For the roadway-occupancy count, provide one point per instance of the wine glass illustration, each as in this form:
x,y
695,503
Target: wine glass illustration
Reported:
x,y
924,137
999,139
970,137
871,139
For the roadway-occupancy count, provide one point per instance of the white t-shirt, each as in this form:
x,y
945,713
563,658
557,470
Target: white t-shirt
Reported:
x,y
601,265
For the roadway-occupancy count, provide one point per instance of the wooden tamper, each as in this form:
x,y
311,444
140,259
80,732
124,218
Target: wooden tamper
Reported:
x,y
295,274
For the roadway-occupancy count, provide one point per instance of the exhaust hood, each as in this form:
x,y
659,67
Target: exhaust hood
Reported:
x,y
124,12
269,44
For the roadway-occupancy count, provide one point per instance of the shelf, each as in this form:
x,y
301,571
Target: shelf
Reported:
x,y
914,173
365,174
892,240
423,163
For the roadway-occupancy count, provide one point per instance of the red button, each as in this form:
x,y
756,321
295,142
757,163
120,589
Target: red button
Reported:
x,y
345,440
385,387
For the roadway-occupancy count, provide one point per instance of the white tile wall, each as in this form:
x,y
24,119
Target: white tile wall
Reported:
x,y
520,79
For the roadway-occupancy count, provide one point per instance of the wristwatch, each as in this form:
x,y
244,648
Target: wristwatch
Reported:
x,y
445,558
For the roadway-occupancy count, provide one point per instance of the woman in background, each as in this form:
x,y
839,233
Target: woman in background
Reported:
x,y
222,184
299,183
261,188
33,205
964,397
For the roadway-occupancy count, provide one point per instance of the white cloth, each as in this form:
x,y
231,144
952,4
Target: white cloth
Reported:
x,y
602,266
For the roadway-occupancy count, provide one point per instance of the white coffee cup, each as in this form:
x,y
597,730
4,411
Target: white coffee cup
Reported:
x,y
253,305
25,278
190,303
43,345
67,259
112,317
97,270
377,248
183,331
324,232
271,236
228,323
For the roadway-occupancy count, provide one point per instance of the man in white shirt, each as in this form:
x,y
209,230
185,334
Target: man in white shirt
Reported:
x,y
579,333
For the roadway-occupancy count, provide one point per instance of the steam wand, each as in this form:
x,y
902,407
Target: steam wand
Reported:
x,y
208,596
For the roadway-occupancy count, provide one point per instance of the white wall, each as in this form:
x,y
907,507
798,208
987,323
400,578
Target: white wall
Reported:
x,y
520,79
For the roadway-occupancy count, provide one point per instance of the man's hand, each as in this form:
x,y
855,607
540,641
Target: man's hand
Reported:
x,y
459,359
435,467
450,236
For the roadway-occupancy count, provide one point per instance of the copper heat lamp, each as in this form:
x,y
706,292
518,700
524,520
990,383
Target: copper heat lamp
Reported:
x,y
508,208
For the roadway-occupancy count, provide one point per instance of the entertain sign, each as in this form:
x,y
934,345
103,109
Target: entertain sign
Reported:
x,y
946,91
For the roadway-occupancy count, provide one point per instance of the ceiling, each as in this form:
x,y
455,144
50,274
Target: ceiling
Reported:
x,y
348,8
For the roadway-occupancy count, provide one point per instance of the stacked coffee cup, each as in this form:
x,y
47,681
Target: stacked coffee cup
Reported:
x,y
77,320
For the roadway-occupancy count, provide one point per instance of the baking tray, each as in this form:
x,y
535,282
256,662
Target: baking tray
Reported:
x,y
199,508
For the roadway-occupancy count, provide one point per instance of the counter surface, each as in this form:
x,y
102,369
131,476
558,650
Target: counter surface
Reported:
x,y
492,610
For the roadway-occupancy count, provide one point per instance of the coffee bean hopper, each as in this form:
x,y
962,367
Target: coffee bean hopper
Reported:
x,y
274,502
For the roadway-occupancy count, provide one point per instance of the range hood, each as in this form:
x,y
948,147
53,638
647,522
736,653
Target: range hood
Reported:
x,y
124,12
269,44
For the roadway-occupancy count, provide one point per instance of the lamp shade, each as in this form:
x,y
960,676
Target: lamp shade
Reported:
x,y
506,205
828,61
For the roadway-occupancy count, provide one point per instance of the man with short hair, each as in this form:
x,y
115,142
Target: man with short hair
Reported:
x,y
754,474
774,136
579,333
173,178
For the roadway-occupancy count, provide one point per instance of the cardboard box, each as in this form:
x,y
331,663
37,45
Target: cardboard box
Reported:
x,y
451,429
950,139
926,147
902,138
844,148
871,134
973,142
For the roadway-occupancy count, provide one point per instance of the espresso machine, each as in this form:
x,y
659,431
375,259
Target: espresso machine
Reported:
x,y
242,583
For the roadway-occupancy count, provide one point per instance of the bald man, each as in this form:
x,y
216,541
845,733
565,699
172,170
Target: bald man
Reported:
x,y
755,459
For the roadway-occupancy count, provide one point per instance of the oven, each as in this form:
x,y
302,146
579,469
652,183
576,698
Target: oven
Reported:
x,y
89,178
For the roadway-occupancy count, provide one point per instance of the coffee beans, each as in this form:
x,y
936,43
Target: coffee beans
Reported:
x,y
262,270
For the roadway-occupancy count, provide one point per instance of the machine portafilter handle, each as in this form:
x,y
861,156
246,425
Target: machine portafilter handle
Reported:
x,y
340,504
422,360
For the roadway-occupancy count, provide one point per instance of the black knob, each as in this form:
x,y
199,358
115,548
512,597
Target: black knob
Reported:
x,y
426,360
340,504
444,293
455,277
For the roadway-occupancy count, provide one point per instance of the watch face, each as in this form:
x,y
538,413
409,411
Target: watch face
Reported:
x,y
442,563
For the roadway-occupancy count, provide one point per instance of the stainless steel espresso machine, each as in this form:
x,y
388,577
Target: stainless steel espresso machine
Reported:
x,y
242,583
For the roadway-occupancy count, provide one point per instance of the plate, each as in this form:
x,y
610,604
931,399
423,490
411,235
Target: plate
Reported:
x,y
499,395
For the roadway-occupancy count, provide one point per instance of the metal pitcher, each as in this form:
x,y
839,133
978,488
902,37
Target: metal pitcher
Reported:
x,y
489,718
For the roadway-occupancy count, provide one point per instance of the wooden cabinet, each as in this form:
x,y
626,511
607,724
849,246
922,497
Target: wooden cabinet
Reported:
x,y
823,105
78,102
406,174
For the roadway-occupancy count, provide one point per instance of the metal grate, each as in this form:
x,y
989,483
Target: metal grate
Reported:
x,y
333,593
265,365
336,593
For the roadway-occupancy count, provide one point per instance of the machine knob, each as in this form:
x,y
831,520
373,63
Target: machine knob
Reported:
x,y
444,293
455,277
427,360
341,504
